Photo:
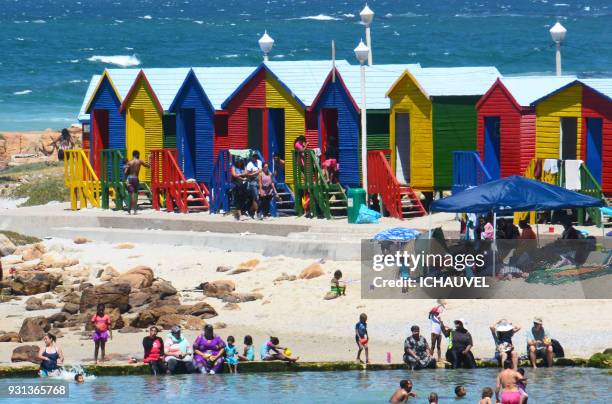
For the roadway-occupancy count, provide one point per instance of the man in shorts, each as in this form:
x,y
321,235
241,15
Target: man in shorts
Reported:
x,y
252,172
131,170
539,344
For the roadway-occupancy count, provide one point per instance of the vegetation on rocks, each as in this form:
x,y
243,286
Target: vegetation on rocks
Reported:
x,y
18,238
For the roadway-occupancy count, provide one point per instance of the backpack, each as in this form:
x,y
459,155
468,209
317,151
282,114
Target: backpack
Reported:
x,y
557,349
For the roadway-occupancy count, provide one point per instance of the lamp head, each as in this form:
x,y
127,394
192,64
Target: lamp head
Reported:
x,y
367,15
557,32
361,52
266,43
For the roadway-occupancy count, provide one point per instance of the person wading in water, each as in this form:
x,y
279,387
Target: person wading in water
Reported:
x,y
131,170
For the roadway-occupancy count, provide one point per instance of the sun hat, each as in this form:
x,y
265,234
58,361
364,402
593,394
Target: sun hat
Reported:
x,y
537,320
503,326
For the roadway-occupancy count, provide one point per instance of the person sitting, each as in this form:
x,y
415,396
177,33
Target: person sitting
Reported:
x,y
527,232
331,170
177,352
569,231
502,332
272,351
337,286
209,351
539,344
416,351
50,356
154,351
459,351
248,352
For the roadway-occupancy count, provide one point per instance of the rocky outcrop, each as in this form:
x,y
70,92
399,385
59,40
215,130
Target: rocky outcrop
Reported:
x,y
33,329
10,337
218,288
6,246
111,294
139,278
31,251
34,303
108,274
242,297
186,321
312,271
201,309
54,259
25,353
34,282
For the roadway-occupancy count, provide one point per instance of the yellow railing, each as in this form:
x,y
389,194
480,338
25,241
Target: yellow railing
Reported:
x,y
546,177
81,180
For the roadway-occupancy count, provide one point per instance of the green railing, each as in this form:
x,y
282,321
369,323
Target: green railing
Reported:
x,y
111,178
589,186
309,181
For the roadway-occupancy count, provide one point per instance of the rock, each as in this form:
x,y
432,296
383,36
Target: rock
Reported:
x,y
112,294
114,314
160,290
201,309
242,297
57,318
33,329
231,306
108,274
223,268
312,271
600,360
33,301
330,295
124,246
250,264
186,321
34,282
57,333
31,252
150,316
129,330
163,288
70,308
171,301
6,246
139,277
85,285
285,277
71,297
33,265
54,259
81,240
218,288
25,353
139,299
78,271
608,351
220,325
239,271
10,337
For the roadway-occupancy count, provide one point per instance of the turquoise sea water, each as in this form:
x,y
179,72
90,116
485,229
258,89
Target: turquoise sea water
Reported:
x,y
561,385
50,48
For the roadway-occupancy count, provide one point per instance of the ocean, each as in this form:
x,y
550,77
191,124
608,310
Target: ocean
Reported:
x,y
51,48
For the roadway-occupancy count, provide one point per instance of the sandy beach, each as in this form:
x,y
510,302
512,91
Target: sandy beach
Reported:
x,y
295,311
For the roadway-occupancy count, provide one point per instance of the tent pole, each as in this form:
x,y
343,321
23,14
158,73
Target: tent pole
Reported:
x,y
429,218
603,231
537,231
494,239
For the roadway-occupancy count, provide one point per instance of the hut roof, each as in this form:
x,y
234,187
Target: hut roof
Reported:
x,y
456,81
527,89
93,84
602,86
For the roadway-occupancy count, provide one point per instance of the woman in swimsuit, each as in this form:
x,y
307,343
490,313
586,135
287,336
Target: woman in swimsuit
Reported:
x,y
51,357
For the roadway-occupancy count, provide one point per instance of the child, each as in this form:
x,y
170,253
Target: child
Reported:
x,y
433,398
231,355
248,353
79,379
436,329
361,337
101,323
487,394
273,351
522,385
338,287
460,391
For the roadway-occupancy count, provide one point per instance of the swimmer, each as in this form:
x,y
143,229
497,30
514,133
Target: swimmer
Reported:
x,y
507,381
460,391
487,395
79,378
433,398
522,385
404,392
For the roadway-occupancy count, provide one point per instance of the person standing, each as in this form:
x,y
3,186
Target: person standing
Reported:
x,y
154,351
267,191
100,335
50,356
436,326
252,174
362,338
539,344
459,352
131,170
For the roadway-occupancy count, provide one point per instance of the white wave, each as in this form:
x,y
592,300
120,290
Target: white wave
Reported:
x,y
24,92
128,48
278,56
146,17
587,8
119,21
39,21
349,15
77,81
19,39
199,22
74,61
119,60
388,15
231,56
561,5
86,49
320,17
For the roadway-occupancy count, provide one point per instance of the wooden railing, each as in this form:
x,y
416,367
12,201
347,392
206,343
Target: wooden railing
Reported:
x,y
111,178
468,171
81,180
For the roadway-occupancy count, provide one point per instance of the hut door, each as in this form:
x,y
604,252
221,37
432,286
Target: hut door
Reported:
x,y
329,133
187,141
99,137
255,129
569,138
135,136
276,137
492,146
593,149
402,147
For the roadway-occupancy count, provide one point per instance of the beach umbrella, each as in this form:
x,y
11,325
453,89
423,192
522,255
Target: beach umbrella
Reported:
x,y
397,234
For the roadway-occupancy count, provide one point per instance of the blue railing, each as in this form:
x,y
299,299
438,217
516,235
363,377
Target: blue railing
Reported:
x,y
468,171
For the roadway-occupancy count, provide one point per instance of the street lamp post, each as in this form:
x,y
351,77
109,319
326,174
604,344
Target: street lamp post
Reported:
x,y
557,33
362,53
367,15
266,43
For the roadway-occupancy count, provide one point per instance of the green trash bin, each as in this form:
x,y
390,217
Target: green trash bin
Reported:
x,y
356,197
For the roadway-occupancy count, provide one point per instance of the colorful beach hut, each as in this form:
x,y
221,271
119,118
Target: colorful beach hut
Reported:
x,y
507,122
574,122
433,114
147,126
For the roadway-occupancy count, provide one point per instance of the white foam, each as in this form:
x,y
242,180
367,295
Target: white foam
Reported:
x,y
24,92
39,22
74,61
349,15
319,17
20,39
119,60
231,56
199,22
119,21
146,17
561,5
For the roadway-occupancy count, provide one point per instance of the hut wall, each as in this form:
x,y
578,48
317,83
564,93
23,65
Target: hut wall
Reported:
x,y
596,106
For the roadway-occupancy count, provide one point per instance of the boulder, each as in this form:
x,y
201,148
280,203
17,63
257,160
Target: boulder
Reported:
x,y
250,264
242,297
34,303
6,246
25,353
330,295
159,290
114,314
163,288
124,246
81,240
34,282
150,316
218,288
201,309
186,321
219,325
129,330
285,277
54,259
32,265
138,278
78,271
10,337
223,268
239,271
112,294
33,329
70,308
312,271
139,298
57,318
231,306
71,297
31,251
108,274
